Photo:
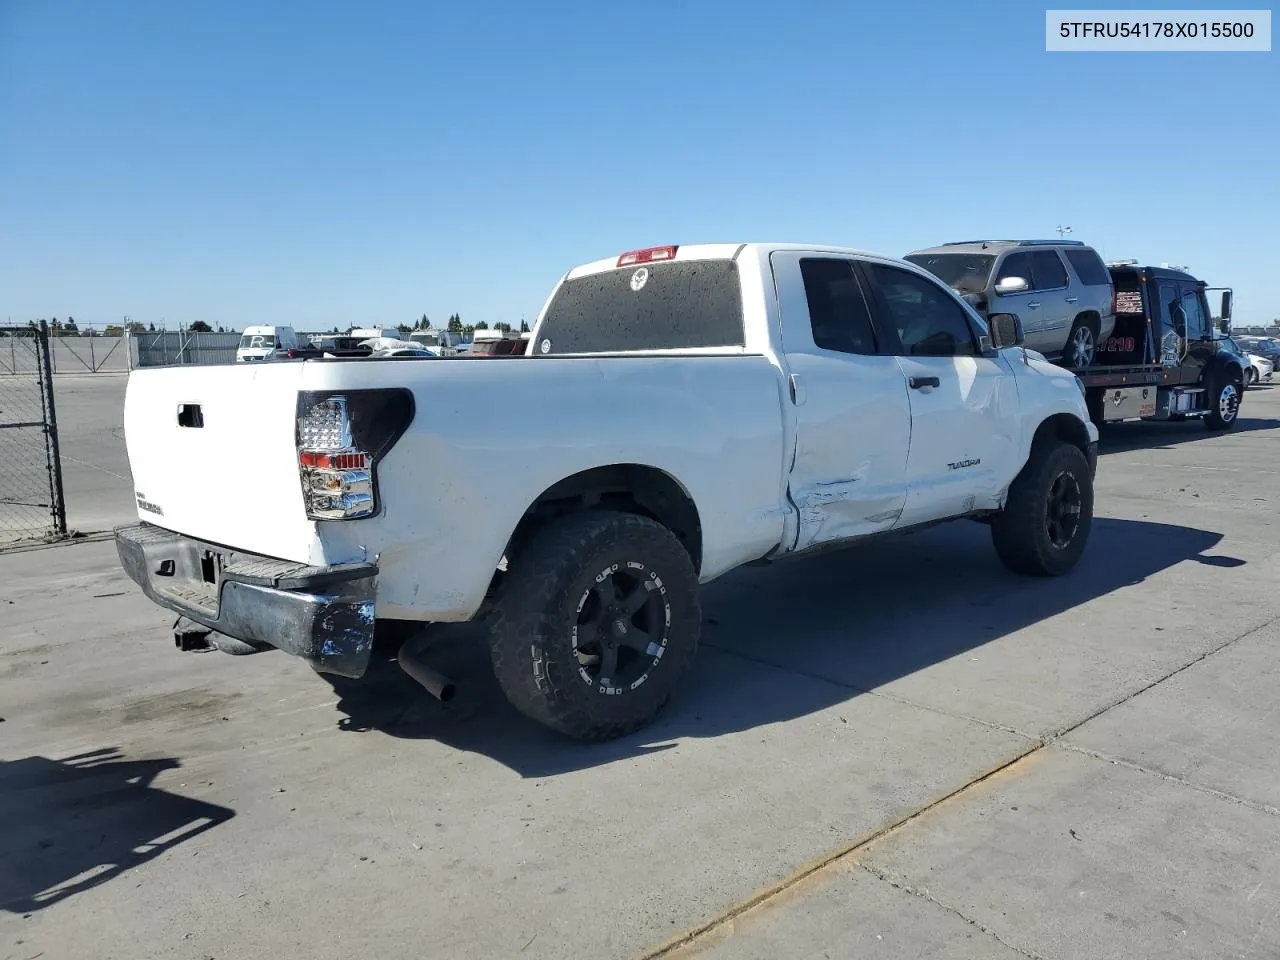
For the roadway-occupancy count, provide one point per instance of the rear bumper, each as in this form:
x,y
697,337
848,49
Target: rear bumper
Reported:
x,y
324,615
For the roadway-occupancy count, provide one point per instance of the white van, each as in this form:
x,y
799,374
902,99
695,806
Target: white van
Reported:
x,y
265,343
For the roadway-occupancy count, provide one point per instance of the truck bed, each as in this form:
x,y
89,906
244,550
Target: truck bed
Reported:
x,y
445,489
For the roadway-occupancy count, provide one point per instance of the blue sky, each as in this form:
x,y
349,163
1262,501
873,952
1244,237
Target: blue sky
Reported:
x,y
328,163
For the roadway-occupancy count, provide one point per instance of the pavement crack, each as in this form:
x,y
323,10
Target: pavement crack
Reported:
x,y
839,855
1133,694
1172,778
900,884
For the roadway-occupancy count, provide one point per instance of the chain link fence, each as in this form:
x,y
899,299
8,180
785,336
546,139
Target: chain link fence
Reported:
x,y
31,503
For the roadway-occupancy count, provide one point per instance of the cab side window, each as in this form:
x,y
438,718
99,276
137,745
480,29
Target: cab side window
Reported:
x,y
838,312
928,320
1196,324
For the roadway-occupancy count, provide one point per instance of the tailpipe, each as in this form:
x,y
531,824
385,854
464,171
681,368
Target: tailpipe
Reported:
x,y
435,683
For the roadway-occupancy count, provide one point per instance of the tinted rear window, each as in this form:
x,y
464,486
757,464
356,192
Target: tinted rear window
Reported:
x,y
656,306
1088,267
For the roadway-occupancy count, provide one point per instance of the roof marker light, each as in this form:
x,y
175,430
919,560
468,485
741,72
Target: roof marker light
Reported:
x,y
647,255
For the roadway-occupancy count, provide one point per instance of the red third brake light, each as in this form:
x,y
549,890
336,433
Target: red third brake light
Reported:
x,y
647,255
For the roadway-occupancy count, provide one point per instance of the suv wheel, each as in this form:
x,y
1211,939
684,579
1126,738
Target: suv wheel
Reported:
x,y
1082,344
596,624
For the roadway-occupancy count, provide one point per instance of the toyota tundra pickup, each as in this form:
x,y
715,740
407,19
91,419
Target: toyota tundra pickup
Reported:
x,y
687,410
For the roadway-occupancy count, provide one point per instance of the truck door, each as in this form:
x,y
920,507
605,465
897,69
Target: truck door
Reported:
x,y
853,416
1192,315
965,413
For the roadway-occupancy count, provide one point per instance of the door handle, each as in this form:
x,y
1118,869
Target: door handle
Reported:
x,y
1072,299
1033,306
919,383
797,390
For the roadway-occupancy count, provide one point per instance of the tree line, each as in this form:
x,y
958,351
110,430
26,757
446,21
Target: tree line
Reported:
x,y
455,325
69,327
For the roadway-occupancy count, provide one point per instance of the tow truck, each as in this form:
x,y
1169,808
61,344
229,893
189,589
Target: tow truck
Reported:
x,y
1164,360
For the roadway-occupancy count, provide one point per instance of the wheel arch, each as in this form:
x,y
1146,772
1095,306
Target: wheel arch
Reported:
x,y
629,487
1093,317
1063,427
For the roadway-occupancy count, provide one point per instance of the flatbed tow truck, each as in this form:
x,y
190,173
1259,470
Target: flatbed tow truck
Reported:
x,y
1164,359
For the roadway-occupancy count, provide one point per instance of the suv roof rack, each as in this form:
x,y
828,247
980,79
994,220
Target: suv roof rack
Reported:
x,y
965,243
1051,243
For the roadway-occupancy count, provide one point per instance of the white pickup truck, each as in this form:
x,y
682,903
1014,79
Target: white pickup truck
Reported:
x,y
686,411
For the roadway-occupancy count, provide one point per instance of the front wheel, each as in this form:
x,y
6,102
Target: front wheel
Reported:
x,y
596,624
1045,524
1224,404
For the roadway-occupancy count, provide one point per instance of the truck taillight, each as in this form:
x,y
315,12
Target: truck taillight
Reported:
x,y
648,255
340,439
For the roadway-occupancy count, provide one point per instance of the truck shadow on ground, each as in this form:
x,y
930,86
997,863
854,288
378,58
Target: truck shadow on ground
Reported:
x,y
1154,435
786,641
70,825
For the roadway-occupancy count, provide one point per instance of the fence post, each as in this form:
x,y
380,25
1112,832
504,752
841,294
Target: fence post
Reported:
x,y
53,454
93,363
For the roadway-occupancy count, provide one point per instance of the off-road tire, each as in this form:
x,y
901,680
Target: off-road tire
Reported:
x,y
532,622
1218,386
1021,532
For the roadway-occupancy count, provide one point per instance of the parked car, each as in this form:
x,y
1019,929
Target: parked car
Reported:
x,y
688,410
265,343
405,351
1260,369
508,346
1266,347
1059,289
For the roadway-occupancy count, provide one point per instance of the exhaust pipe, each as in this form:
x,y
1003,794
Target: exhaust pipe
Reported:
x,y
435,683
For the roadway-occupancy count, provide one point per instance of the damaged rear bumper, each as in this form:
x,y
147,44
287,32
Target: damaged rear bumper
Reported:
x,y
324,615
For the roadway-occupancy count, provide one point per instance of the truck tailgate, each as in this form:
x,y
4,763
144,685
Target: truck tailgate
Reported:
x,y
214,456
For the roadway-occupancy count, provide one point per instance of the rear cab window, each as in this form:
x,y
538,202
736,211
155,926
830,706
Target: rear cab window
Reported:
x,y
673,305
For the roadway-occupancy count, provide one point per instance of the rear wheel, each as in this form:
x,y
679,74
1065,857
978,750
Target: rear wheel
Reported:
x,y
1048,515
1224,403
596,624
1082,344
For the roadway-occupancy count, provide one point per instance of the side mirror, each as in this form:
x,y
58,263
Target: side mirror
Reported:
x,y
1225,312
1006,330
1011,285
